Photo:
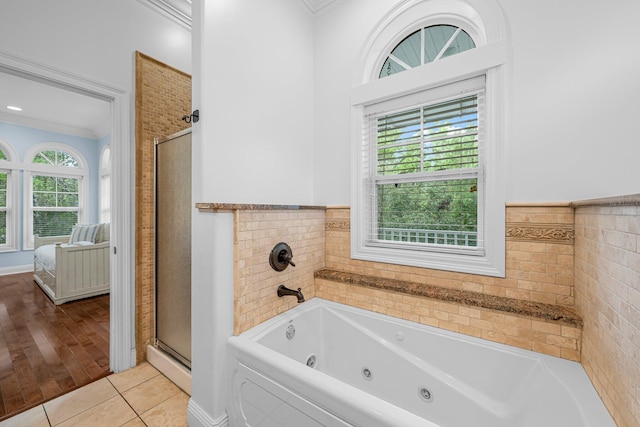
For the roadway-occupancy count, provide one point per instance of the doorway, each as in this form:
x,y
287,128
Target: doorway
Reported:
x,y
121,350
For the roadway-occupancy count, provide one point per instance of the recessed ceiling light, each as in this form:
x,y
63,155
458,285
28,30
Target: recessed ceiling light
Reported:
x,y
14,108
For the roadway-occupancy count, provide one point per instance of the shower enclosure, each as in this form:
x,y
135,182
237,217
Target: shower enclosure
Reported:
x,y
173,246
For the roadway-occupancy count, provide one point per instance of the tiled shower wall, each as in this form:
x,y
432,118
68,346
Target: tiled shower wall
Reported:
x,y
163,96
256,283
607,277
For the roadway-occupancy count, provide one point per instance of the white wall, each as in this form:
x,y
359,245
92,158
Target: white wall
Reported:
x,y
573,110
340,35
91,38
255,64
253,85
575,78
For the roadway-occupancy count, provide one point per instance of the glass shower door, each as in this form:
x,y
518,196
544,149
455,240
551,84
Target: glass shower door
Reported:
x,y
173,246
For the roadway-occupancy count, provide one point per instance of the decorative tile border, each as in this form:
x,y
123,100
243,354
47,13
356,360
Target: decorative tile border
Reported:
x,y
545,233
338,225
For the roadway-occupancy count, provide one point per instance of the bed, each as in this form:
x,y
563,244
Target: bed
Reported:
x,y
72,267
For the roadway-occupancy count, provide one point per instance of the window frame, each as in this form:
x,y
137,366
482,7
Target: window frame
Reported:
x,y
487,59
10,167
35,169
104,201
459,90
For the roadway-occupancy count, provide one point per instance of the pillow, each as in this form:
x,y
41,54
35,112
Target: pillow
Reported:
x,y
103,233
83,233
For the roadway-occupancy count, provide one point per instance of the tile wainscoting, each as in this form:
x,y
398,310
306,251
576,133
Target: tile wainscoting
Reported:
x,y
607,286
539,261
564,263
539,271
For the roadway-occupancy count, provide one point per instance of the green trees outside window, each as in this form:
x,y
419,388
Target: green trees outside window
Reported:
x,y
426,181
55,205
56,199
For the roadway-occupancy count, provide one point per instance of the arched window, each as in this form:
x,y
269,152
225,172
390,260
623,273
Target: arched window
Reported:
x,y
426,45
105,184
428,186
8,193
56,182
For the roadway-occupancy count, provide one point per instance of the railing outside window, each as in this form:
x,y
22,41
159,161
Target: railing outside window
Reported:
x,y
438,237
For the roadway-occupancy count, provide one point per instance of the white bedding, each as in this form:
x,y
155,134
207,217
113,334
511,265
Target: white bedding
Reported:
x,y
46,255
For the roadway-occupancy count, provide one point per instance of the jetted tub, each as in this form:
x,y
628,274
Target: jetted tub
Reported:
x,y
328,364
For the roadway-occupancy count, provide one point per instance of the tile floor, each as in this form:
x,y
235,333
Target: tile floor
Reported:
x,y
139,397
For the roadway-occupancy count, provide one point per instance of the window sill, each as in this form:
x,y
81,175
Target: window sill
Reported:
x,y
486,265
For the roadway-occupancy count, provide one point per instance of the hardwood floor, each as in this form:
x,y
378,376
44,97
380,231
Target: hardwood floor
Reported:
x,y
47,350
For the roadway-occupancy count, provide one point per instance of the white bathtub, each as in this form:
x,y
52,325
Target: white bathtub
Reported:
x,y
373,370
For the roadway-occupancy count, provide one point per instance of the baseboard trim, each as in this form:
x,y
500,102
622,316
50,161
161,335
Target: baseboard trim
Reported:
x,y
197,417
15,269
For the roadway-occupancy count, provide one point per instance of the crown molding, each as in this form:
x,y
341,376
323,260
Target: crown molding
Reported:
x,y
178,11
315,6
103,129
30,122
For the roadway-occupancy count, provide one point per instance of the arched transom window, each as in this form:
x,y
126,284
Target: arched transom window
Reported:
x,y
428,44
56,158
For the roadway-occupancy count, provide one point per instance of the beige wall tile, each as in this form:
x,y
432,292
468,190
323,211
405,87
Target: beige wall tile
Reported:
x,y
530,264
539,269
607,275
256,283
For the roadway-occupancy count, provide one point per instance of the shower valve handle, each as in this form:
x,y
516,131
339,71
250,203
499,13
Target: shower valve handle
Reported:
x,y
286,256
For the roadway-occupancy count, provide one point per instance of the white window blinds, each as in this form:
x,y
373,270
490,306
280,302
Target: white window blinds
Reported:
x,y
423,169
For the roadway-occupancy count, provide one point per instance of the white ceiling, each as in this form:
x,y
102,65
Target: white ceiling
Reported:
x,y
50,108
58,110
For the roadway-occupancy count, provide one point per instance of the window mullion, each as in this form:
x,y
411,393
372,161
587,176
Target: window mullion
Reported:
x,y
447,44
400,62
422,45
422,140
444,175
